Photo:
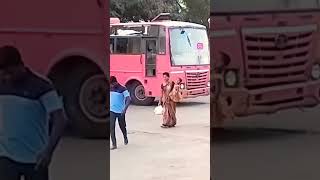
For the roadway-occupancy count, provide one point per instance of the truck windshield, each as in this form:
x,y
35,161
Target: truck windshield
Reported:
x,y
262,5
189,46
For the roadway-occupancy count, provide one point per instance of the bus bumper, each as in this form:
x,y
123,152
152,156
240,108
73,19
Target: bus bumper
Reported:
x,y
196,92
245,102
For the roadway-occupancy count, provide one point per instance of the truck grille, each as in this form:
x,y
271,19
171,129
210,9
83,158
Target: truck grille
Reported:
x,y
197,80
268,65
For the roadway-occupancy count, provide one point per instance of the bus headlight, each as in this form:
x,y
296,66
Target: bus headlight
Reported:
x,y
230,78
182,86
315,72
208,84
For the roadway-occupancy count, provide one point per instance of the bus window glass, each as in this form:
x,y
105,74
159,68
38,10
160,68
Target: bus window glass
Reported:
x,y
189,46
153,31
162,40
112,45
134,45
122,45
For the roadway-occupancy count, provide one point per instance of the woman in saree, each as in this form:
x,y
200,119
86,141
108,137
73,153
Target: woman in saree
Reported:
x,y
169,115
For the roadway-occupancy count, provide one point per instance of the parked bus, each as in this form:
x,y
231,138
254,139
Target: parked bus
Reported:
x,y
65,41
265,56
141,52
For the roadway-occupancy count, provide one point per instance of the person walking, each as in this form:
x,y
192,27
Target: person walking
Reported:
x,y
168,101
28,104
119,103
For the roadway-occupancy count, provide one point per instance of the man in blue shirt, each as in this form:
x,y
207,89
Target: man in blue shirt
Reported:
x,y
27,103
119,103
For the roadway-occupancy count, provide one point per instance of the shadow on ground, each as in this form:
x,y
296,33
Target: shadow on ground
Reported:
x,y
190,103
241,134
185,104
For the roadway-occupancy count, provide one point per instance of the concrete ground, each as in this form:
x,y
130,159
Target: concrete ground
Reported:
x,y
280,146
80,159
153,153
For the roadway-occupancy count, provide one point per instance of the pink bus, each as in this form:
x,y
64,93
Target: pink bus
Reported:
x,y
65,41
265,56
141,52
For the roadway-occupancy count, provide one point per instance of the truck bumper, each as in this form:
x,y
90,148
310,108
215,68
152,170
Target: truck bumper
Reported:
x,y
196,92
245,102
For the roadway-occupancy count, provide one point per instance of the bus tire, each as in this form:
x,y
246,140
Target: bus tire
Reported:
x,y
137,94
85,88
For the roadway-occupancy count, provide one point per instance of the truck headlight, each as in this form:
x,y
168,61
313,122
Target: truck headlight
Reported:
x,y
230,78
208,84
182,86
315,72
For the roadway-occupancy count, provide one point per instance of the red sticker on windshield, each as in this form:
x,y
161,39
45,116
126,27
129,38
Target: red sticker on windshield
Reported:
x,y
200,46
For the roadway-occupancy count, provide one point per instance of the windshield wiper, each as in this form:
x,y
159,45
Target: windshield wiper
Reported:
x,y
189,41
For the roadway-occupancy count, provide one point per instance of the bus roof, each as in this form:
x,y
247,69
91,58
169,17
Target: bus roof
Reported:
x,y
162,23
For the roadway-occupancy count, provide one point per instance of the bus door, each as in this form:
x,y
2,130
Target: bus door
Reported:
x,y
150,55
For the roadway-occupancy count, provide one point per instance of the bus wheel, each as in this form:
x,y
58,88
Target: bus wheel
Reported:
x,y
137,93
86,103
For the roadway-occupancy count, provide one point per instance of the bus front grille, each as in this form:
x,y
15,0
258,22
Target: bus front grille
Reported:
x,y
269,65
197,80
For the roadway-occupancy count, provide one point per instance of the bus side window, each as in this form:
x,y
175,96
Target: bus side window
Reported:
x,y
153,31
134,45
111,45
152,47
122,45
151,57
162,40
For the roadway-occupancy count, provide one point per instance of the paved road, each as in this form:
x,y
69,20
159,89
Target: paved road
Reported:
x,y
281,146
80,159
153,153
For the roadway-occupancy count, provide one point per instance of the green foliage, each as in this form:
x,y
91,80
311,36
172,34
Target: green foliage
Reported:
x,y
197,11
184,10
135,10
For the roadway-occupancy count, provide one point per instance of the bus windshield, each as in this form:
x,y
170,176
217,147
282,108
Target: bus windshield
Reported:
x,y
189,46
262,5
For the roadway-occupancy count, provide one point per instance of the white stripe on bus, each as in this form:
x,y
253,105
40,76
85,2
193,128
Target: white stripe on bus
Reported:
x,y
191,71
277,30
176,72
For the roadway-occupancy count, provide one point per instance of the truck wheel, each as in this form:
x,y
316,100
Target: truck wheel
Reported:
x,y
86,103
137,93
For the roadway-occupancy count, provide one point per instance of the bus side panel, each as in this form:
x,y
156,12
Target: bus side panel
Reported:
x,y
125,67
153,85
50,28
59,14
42,58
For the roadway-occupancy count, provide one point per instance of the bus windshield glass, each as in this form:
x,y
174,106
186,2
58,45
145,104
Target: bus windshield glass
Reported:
x,y
189,46
262,5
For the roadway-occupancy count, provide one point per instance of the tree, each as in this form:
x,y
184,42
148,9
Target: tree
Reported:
x,y
117,8
136,10
197,11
